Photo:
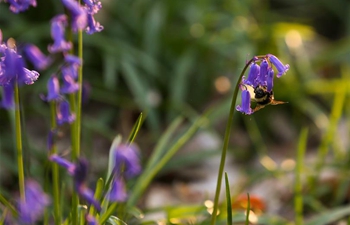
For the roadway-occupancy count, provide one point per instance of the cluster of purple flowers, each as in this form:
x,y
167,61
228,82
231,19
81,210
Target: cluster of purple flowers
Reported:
x,y
17,6
12,72
80,18
259,84
32,207
126,164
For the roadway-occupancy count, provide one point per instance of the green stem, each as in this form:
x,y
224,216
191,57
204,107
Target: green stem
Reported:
x,y
226,141
55,170
19,145
76,126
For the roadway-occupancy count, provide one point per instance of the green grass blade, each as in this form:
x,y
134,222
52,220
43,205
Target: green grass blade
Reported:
x,y
248,210
97,195
135,128
145,179
298,199
228,200
8,205
329,216
164,140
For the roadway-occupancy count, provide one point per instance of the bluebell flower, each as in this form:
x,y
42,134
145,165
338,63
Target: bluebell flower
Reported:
x,y
93,25
126,160
58,24
92,6
72,59
245,105
253,74
118,191
8,97
12,69
51,139
264,67
258,87
64,114
17,6
53,89
79,172
31,208
69,166
71,66
36,57
282,69
69,85
91,220
78,14
270,80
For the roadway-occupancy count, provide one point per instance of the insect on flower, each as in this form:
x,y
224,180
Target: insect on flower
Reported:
x,y
259,84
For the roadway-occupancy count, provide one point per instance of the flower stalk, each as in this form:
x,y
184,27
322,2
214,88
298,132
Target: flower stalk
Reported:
x,y
226,142
55,170
19,144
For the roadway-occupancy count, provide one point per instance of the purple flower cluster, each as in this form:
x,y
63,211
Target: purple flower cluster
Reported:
x,y
79,172
12,72
17,6
32,207
259,84
82,17
126,164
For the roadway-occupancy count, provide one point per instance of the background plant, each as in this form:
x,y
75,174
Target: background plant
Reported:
x,y
152,52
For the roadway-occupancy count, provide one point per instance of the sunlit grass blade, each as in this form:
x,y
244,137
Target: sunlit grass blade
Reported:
x,y
228,200
298,199
8,205
116,142
135,128
328,138
105,216
97,195
145,179
116,221
329,216
163,141
248,210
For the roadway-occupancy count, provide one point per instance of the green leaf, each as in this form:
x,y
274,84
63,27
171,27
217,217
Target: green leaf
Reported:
x,y
135,128
228,200
329,216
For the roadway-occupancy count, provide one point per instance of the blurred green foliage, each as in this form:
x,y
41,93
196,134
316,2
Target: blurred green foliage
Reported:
x,y
162,57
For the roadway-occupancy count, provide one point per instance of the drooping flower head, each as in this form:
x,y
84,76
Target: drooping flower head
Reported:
x,y
8,97
58,24
91,220
93,25
126,160
17,6
53,89
92,6
118,191
79,172
259,84
13,71
64,114
31,208
36,57
78,14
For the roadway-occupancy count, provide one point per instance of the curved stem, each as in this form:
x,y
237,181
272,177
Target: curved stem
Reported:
x,y
19,145
226,141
